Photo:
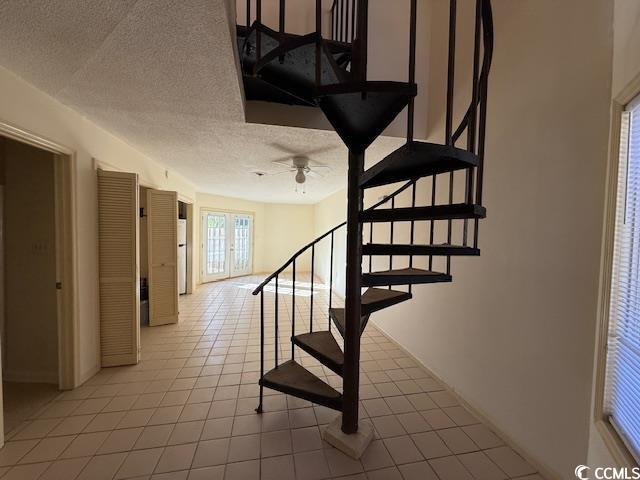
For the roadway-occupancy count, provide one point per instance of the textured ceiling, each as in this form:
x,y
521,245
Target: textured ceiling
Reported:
x,y
161,75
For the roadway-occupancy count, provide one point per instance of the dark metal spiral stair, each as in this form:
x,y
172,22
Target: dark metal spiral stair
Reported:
x,y
281,67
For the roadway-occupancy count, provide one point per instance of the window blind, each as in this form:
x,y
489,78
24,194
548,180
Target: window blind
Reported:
x,y
622,392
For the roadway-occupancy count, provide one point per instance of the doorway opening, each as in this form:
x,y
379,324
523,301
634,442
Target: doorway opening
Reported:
x,y
227,245
37,344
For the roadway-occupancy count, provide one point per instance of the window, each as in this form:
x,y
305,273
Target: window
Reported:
x,y
622,389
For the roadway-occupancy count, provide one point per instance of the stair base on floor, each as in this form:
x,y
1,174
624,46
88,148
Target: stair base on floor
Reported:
x,y
353,445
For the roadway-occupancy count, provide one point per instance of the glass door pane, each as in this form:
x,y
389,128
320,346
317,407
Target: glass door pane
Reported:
x,y
242,245
215,246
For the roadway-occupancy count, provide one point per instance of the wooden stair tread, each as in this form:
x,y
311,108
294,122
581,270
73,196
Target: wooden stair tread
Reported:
x,y
404,276
337,316
293,379
435,212
375,299
360,111
415,160
323,347
413,249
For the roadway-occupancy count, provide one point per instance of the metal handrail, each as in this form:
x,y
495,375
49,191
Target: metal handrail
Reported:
x,y
487,24
386,199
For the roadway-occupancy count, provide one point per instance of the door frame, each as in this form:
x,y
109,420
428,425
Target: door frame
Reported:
x,y
66,251
204,210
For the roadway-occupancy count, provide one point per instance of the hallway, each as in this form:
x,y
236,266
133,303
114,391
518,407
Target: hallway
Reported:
x,y
186,411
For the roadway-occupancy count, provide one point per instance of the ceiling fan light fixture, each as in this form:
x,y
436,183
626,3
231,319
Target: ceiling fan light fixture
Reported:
x,y
300,176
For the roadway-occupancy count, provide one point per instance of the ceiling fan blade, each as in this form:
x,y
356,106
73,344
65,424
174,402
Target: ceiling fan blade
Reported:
x,y
324,149
320,166
294,152
284,163
314,174
284,148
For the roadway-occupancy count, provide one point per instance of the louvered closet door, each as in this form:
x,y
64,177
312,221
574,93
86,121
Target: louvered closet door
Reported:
x,y
162,228
118,263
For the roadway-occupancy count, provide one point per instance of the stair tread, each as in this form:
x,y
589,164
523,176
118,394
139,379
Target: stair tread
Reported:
x,y
435,212
323,347
406,272
403,276
374,299
360,111
292,66
415,160
416,249
337,315
293,379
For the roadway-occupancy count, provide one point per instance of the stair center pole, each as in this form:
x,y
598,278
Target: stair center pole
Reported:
x,y
351,378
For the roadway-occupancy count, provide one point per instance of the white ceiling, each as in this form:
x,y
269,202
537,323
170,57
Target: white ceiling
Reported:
x,y
161,75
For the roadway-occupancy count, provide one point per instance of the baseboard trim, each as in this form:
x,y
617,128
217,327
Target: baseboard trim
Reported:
x,y
88,375
545,471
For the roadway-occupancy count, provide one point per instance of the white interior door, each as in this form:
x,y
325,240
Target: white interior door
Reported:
x,y
162,231
227,245
118,268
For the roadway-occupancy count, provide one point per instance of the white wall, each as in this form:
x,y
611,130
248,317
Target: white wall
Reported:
x,y
279,230
514,333
25,107
329,213
626,67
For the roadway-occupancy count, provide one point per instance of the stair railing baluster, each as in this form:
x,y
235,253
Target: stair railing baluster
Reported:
x,y
318,43
370,241
313,258
449,117
361,41
353,20
293,310
487,30
413,228
259,409
393,205
276,323
412,68
346,23
432,223
331,278
471,131
451,71
334,21
281,27
258,33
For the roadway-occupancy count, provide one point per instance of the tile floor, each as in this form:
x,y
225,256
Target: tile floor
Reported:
x,y
186,411
21,400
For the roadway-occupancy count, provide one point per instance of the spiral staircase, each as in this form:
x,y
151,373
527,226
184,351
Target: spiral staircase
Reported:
x,y
331,74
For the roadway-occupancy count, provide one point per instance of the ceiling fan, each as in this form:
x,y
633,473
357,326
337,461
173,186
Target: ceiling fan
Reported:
x,y
300,164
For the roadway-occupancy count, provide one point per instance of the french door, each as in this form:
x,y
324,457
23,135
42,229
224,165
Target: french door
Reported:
x,y
227,245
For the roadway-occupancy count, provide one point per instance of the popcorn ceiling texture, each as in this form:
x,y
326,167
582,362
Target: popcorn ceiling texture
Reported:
x,y
161,75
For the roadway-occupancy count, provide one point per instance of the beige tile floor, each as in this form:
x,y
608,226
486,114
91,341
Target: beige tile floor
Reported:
x,y
186,411
21,400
